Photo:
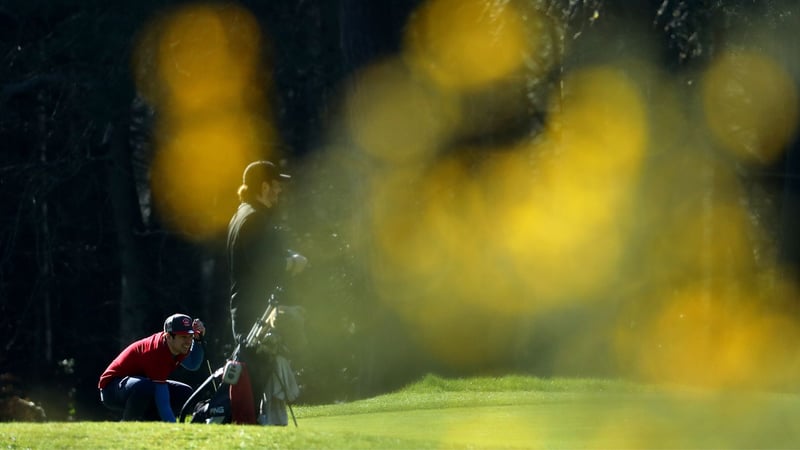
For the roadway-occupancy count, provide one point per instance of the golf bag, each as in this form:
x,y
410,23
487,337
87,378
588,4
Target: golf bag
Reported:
x,y
232,399
230,402
216,409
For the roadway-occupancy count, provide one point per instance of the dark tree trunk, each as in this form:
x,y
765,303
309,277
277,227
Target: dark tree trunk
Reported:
x,y
132,295
44,244
790,216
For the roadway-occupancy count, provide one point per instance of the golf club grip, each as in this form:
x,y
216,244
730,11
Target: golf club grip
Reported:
x,y
255,330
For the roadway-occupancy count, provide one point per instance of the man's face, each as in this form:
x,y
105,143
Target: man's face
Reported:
x,y
273,191
179,344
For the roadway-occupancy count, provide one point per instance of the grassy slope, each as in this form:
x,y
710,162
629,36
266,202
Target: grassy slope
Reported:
x,y
509,412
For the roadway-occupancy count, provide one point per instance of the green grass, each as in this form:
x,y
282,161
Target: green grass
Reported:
x,y
507,412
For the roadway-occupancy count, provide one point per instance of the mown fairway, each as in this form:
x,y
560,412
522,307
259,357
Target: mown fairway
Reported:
x,y
511,412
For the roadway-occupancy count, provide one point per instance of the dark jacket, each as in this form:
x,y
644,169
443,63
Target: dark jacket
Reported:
x,y
256,261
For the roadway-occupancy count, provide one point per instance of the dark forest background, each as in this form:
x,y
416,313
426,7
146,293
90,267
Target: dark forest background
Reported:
x,y
85,267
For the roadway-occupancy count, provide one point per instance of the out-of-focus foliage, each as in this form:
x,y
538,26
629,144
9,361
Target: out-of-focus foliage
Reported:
x,y
614,229
201,68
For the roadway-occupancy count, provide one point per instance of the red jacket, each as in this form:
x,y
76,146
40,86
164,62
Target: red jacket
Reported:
x,y
149,357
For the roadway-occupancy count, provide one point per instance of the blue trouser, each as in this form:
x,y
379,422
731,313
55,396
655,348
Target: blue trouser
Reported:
x,y
135,397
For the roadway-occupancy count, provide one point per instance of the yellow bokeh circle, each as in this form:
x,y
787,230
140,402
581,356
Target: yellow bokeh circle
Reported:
x,y
750,105
463,44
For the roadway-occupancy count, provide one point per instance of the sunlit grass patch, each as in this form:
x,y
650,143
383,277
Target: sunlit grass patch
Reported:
x,y
484,412
525,412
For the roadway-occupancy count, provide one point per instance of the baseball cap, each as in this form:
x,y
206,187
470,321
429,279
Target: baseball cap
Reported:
x,y
259,171
178,324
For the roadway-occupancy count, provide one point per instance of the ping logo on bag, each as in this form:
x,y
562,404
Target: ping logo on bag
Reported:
x,y
217,409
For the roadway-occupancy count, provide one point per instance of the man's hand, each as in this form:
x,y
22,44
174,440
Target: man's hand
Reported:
x,y
296,263
199,329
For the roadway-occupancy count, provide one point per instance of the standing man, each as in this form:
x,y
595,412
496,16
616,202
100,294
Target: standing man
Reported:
x,y
136,380
258,261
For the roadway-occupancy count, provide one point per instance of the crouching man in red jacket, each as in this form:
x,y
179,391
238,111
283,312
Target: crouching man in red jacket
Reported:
x,y
136,383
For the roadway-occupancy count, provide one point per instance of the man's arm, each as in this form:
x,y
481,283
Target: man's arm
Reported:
x,y
162,403
195,357
198,351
